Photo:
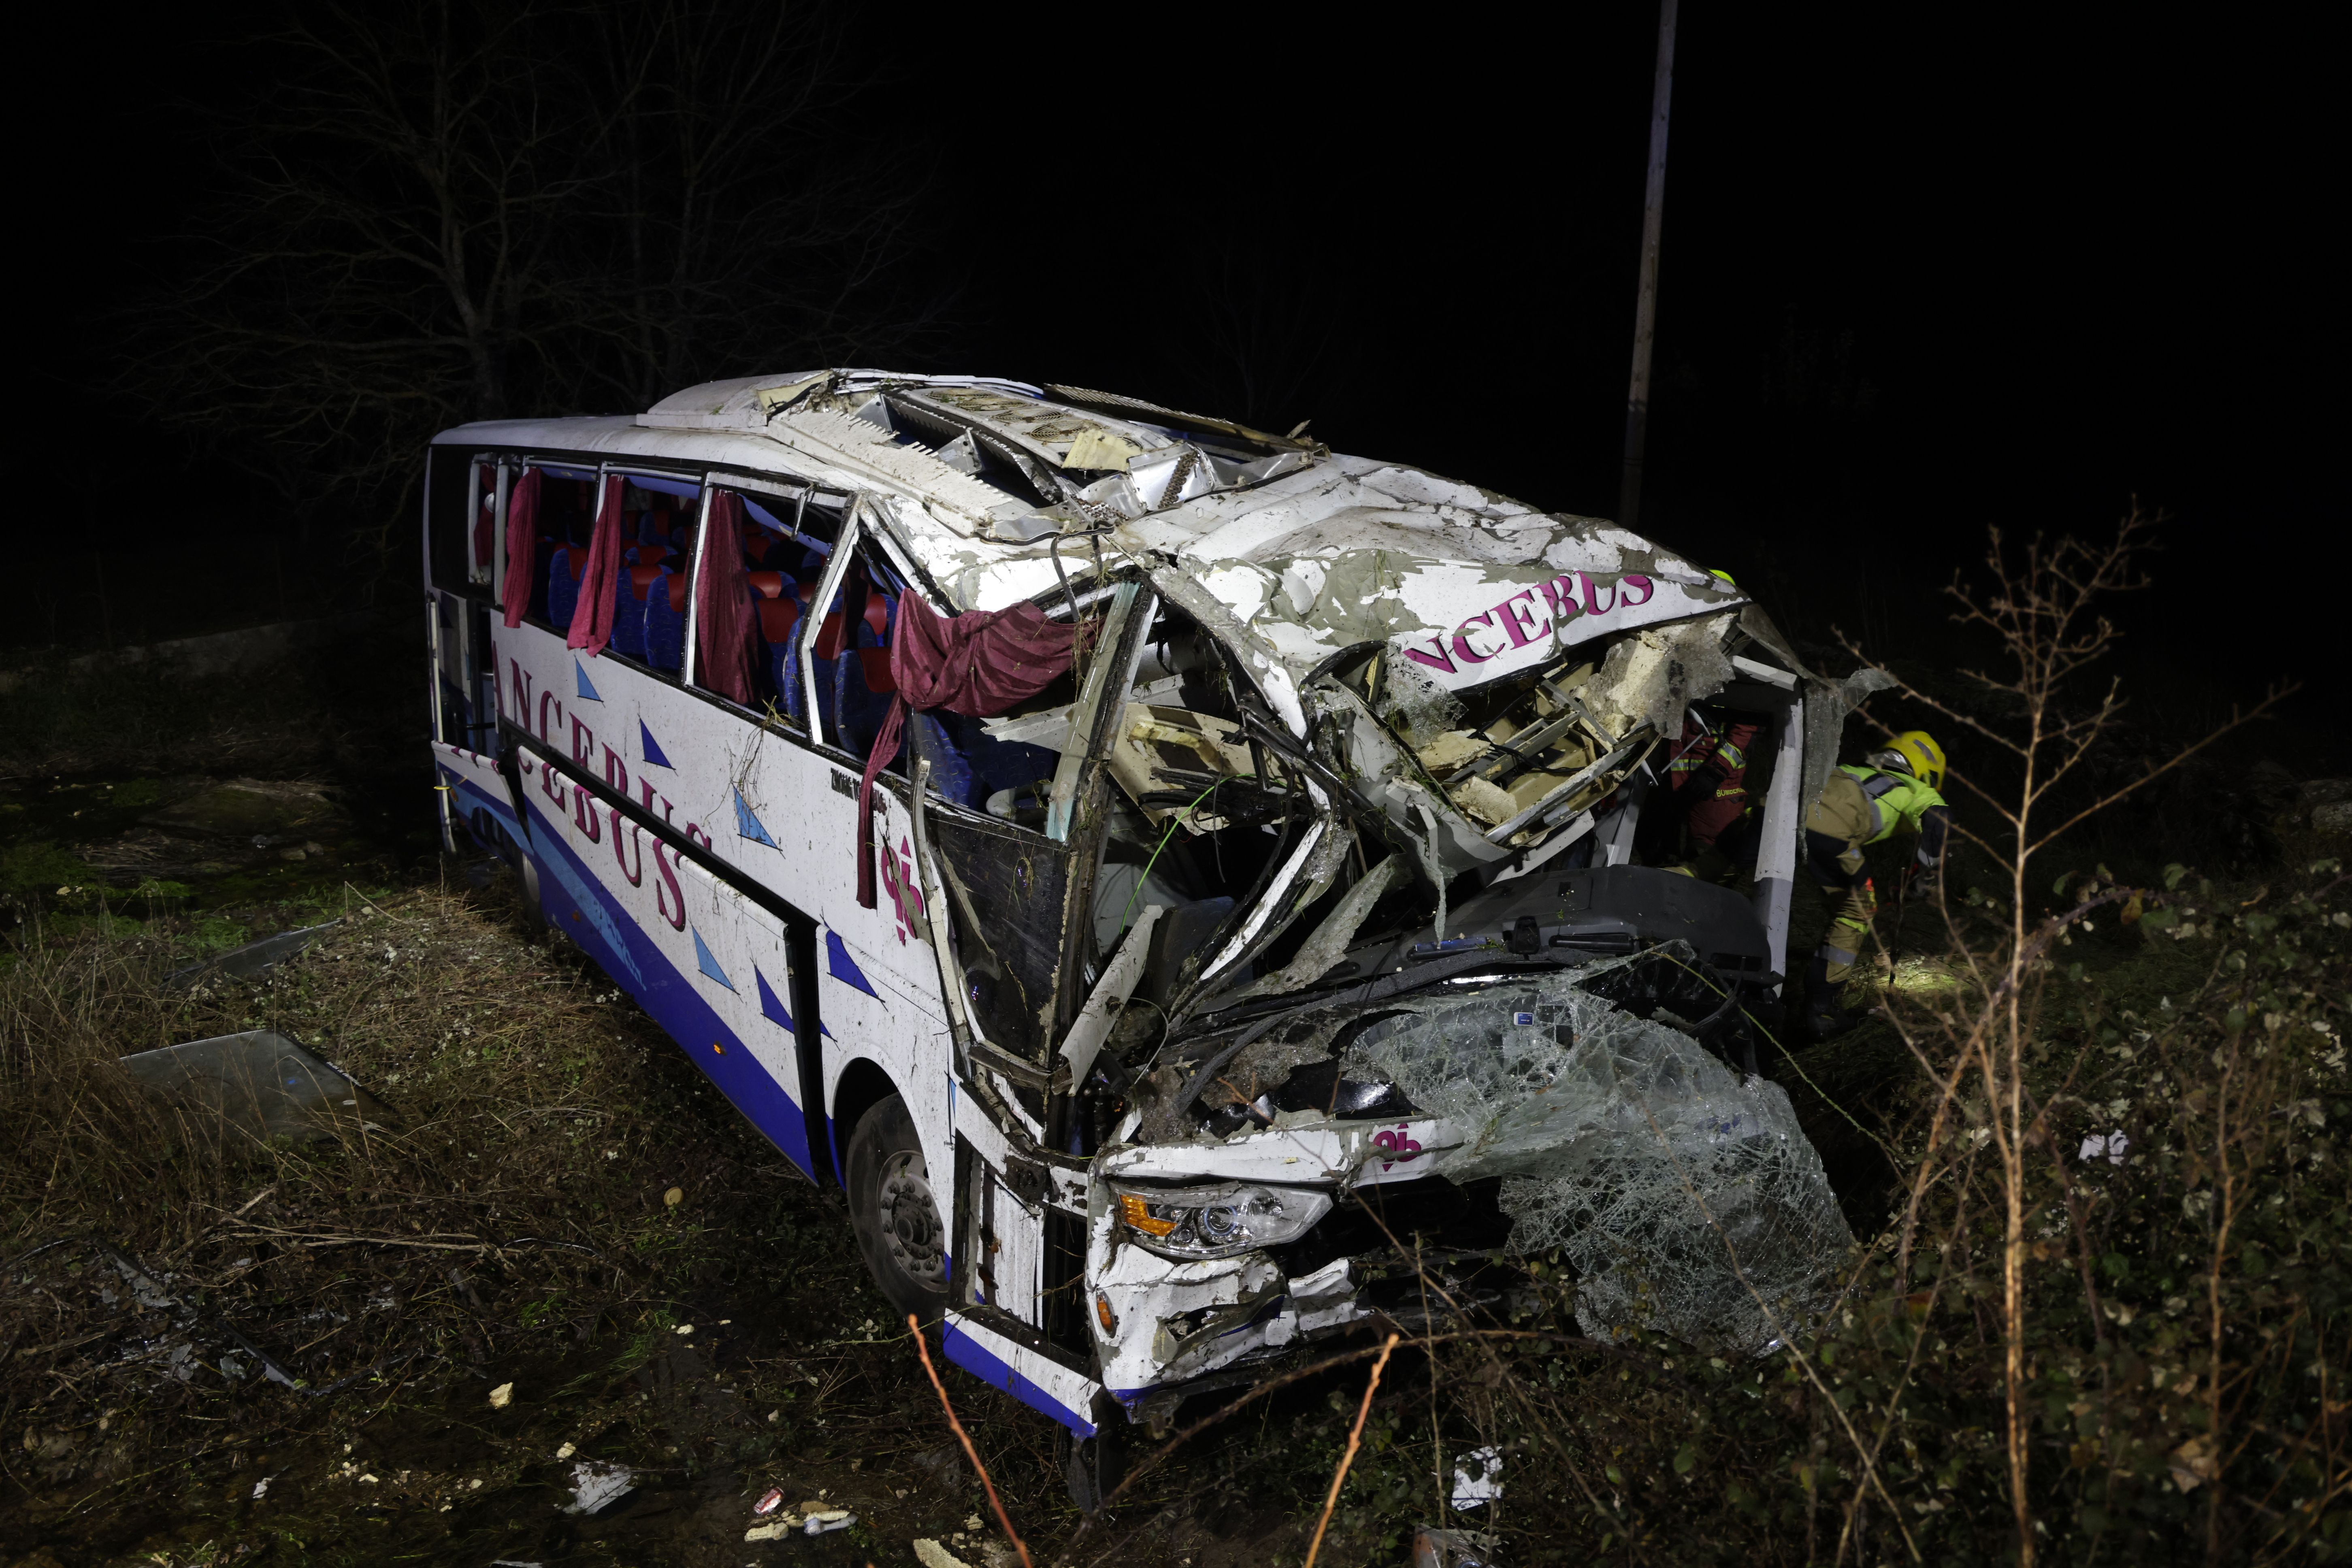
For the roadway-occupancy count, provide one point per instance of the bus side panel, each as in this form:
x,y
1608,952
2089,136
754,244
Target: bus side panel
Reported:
x,y
880,995
698,957
479,794
785,817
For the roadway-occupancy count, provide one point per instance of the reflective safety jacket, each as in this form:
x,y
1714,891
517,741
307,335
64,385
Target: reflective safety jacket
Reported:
x,y
1712,761
1899,802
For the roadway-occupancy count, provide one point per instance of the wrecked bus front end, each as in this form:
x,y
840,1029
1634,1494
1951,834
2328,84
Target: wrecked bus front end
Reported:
x,y
1454,1015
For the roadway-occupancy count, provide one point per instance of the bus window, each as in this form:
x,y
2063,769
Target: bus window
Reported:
x,y
1199,816
482,524
562,518
657,524
763,555
653,523
450,480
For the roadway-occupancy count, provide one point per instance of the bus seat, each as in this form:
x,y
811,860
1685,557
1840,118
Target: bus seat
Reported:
x,y
777,619
767,552
865,697
564,565
998,765
629,611
666,622
543,556
951,772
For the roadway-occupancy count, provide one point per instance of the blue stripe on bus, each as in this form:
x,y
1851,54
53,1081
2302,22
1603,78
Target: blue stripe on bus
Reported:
x,y
498,807
673,1001
967,1353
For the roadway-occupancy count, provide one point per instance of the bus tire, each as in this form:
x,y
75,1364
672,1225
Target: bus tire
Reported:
x,y
895,1212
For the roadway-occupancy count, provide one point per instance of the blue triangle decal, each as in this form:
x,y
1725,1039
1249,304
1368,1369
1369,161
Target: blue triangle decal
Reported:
x,y
842,967
772,1007
748,825
709,964
651,748
587,688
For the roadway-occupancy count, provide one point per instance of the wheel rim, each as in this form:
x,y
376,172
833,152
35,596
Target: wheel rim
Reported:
x,y
911,1221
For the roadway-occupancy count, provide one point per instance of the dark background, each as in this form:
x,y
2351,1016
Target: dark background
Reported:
x,y
1922,273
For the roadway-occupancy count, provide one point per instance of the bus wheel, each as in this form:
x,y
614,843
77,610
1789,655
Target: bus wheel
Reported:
x,y
894,1213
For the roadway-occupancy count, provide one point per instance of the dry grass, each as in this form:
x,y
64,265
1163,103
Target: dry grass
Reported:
x,y
518,1193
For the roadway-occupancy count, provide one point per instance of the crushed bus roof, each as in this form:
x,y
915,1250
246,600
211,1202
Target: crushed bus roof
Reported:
x,y
1314,553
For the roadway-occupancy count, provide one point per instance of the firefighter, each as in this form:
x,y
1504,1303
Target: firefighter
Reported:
x,y
1893,791
1707,776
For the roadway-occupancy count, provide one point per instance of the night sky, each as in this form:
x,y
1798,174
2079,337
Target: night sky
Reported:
x,y
1923,270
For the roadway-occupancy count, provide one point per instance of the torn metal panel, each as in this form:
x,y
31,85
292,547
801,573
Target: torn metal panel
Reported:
x,y
1110,994
1329,942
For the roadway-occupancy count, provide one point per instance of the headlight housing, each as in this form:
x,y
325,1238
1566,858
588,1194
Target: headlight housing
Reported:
x,y
1216,1219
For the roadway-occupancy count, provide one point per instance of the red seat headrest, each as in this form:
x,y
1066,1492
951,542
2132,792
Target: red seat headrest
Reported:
x,y
767,585
677,592
777,619
641,578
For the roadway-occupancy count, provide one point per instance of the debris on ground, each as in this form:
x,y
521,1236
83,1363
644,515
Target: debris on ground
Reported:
x,y
1435,1548
595,1484
809,1518
253,958
1478,1479
262,1083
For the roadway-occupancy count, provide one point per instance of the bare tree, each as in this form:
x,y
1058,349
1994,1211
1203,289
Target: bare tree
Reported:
x,y
477,208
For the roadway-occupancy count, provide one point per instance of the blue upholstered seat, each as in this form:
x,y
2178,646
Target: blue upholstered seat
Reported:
x,y
563,568
631,597
666,623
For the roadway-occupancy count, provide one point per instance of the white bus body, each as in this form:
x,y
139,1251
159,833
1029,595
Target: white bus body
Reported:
x,y
1265,614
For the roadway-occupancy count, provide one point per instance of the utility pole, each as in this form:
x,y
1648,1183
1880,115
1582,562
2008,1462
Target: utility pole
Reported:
x,y
1645,309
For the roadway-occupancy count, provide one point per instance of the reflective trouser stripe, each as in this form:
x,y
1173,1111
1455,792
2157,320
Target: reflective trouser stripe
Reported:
x,y
1849,929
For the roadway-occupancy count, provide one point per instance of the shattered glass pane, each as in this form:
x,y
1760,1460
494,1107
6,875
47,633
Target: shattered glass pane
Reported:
x,y
1689,1202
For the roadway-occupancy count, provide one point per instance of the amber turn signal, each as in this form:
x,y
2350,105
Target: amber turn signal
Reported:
x,y
1138,1216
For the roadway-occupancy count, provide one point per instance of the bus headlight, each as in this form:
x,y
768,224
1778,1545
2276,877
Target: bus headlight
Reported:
x,y
1216,1220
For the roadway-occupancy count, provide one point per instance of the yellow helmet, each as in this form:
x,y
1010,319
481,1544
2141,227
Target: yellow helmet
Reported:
x,y
1914,752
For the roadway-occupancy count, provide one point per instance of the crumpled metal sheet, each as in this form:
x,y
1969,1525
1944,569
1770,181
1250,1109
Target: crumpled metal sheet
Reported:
x,y
1330,940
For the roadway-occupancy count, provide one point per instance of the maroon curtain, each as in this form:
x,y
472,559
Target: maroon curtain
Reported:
x,y
522,544
592,617
978,664
726,632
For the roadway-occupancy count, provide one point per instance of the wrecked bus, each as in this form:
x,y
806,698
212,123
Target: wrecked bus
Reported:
x,y
1193,890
